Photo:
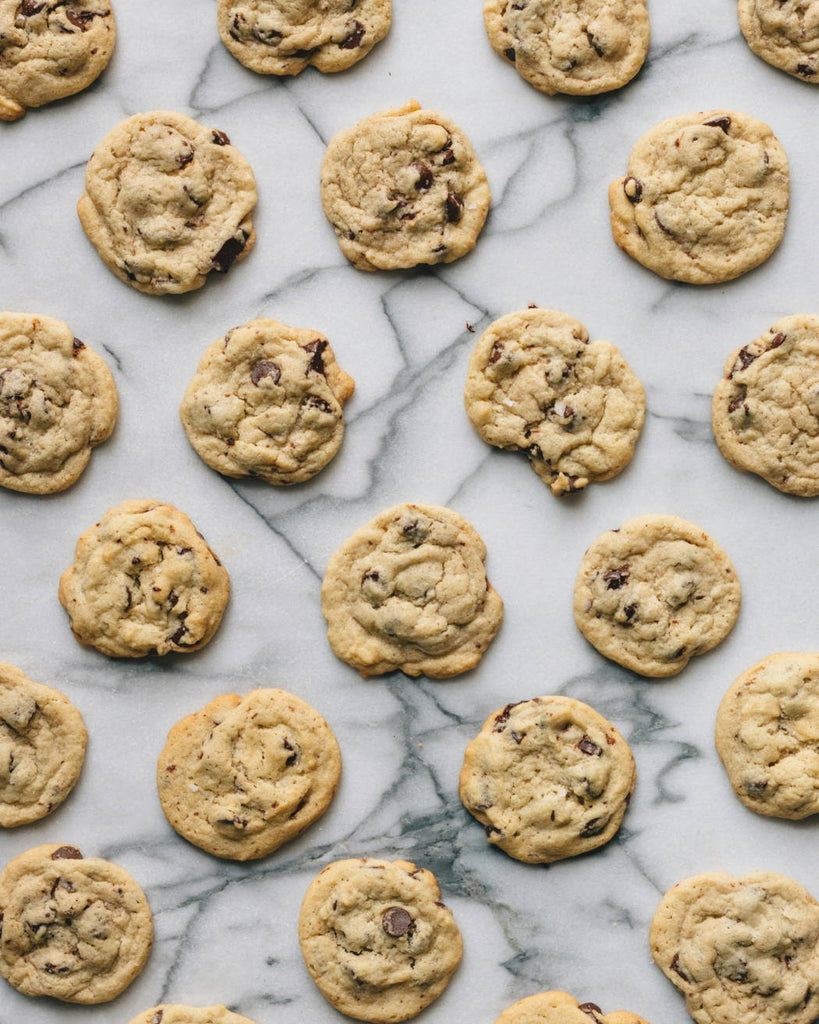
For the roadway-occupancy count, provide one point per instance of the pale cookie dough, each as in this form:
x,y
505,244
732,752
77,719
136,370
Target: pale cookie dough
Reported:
x,y
403,188
42,748
579,47
167,201
144,582
741,950
705,197
267,401
547,778
71,927
765,412
58,400
536,384
784,33
177,1013
409,591
282,37
655,592
561,1008
245,774
50,49
376,938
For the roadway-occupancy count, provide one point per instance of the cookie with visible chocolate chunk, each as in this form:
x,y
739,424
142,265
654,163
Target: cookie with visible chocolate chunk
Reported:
x,y
283,37
705,197
376,938
144,581
167,201
654,593
784,34
71,927
177,1013
561,1008
403,188
765,411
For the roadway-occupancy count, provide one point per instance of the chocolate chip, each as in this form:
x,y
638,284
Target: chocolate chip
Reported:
x,y
616,578
66,853
157,1017
50,968
454,207
226,257
448,158
629,611
517,736
316,349
184,158
745,357
756,789
76,347
265,368
502,716
805,69
592,1009
592,828
291,760
665,230
30,7
314,402
589,747
633,189
354,38
777,341
424,177
496,353
593,43
510,54
177,636
723,121
397,922
81,19
219,138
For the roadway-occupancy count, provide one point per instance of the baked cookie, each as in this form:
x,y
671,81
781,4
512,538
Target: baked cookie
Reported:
x,y
579,47
765,413
547,778
50,49
281,37
144,582
741,949
42,748
167,201
705,197
266,401
57,401
403,188
655,592
245,774
561,1008
176,1013
785,34
409,591
536,384
71,927
376,938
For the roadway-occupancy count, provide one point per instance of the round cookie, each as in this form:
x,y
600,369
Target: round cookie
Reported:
x,y
266,401
705,197
561,1008
376,938
245,774
71,927
144,582
548,778
655,592
785,35
536,384
409,591
42,748
578,47
50,49
58,400
741,949
177,1013
282,37
403,188
167,201
765,412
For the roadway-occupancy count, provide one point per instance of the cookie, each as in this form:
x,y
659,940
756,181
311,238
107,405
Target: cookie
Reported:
x,y
783,34
403,188
245,774
50,49
578,47
144,582
72,927
280,37
741,949
57,401
176,1013
765,412
705,197
376,938
548,778
167,201
561,1008
266,402
409,591
655,592
536,384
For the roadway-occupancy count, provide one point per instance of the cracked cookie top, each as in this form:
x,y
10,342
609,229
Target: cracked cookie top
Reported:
x,y
178,1013
785,33
561,1008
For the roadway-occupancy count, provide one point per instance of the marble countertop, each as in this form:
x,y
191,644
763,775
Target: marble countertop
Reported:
x,y
225,932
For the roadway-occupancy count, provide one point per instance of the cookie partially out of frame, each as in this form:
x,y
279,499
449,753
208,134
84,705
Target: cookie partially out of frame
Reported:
x,y
561,1008
177,1013
785,33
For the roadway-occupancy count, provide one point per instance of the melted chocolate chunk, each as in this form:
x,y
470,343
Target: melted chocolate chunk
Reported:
x,y
397,922
503,716
454,207
777,341
184,158
589,747
723,121
510,54
77,346
496,353
219,138
227,255
616,578
314,402
265,368
353,40
81,19
316,348
629,611
291,760
30,7
805,69
424,177
592,1009
633,190
66,853
593,827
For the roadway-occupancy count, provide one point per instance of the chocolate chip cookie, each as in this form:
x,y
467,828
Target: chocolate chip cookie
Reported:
x,y
176,1013
536,384
403,188
561,1008
71,927
705,197
376,938
785,33
144,582
266,402
167,201
409,591
655,592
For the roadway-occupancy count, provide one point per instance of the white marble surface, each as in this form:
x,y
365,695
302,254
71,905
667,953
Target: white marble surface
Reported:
x,y
226,932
